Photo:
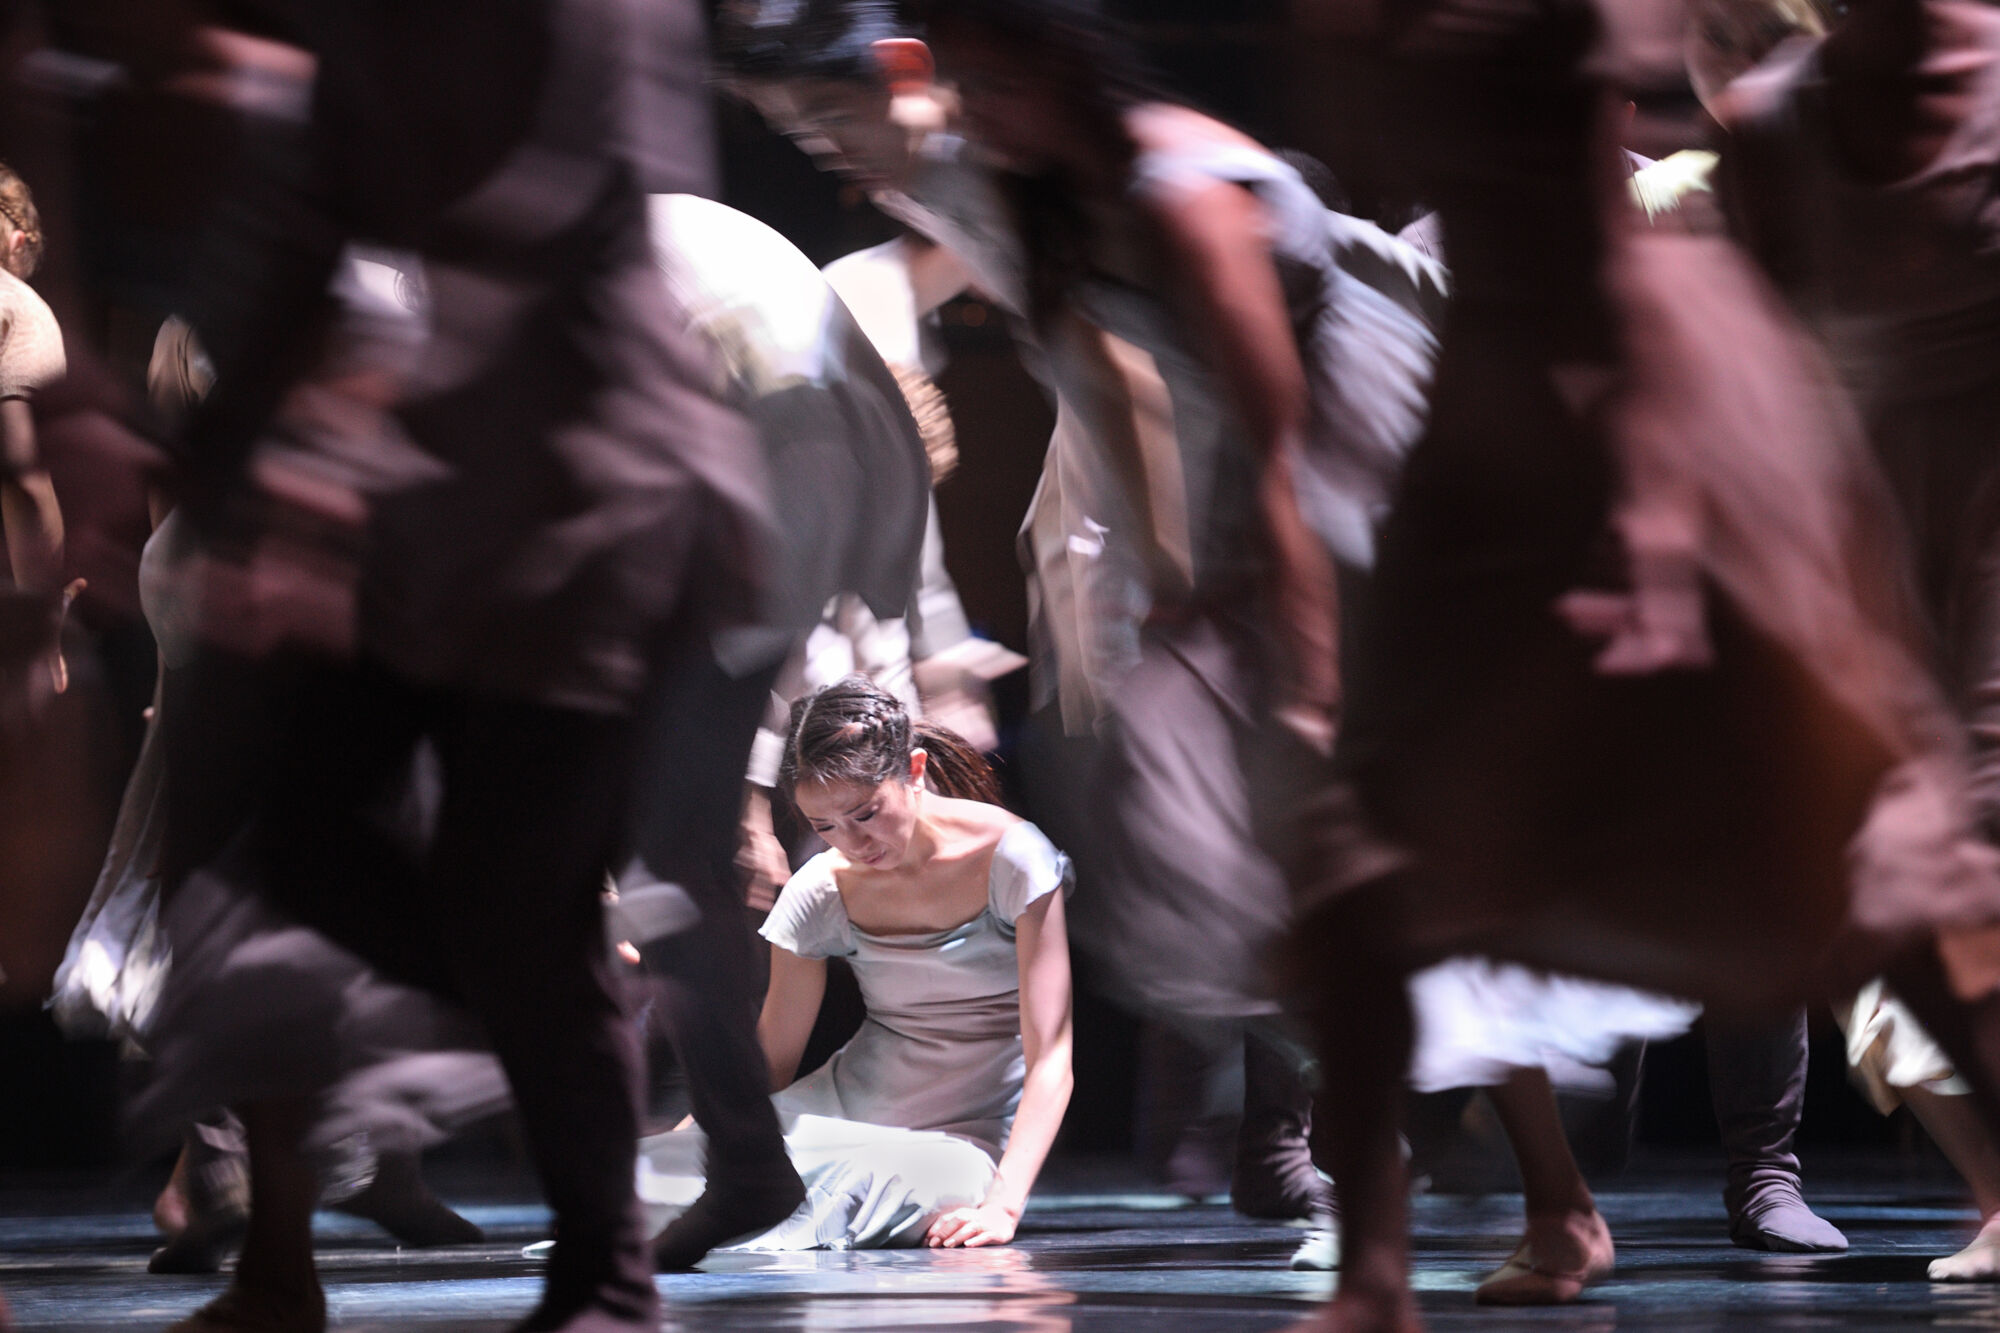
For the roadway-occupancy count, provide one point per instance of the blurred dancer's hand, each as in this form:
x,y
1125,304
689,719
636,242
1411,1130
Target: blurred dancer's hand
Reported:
x,y
1304,615
32,669
760,856
988,1224
1660,625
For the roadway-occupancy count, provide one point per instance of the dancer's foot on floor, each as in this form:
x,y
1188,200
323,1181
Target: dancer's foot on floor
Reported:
x,y
171,1210
720,1216
1319,1252
400,1202
243,1309
1771,1214
1558,1257
1977,1262
1351,1313
202,1244
1275,1181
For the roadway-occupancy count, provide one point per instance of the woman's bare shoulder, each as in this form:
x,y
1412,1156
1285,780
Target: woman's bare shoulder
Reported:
x,y
974,822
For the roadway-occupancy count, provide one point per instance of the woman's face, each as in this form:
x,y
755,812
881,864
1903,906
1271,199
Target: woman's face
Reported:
x,y
846,126
1013,106
870,826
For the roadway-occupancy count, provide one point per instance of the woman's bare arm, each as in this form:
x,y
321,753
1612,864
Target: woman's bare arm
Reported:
x,y
790,1007
1042,941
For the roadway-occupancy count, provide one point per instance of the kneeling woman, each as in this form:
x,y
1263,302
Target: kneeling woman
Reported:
x,y
930,1125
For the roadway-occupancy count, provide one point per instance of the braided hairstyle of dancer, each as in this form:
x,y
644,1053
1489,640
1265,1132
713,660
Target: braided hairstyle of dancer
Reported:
x,y
854,731
19,214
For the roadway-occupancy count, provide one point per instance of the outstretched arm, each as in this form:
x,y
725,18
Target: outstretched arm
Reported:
x,y
790,1006
1042,941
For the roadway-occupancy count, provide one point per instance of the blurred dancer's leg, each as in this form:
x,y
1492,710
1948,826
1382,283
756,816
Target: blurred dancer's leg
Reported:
x,y
1565,1244
696,738
534,805
1757,1078
1354,995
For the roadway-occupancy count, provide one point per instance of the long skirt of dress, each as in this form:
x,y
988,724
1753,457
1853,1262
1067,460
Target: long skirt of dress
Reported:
x,y
868,1187
1182,904
1768,829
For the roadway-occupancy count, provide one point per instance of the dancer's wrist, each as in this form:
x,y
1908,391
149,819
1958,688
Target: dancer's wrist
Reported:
x,y
1002,1195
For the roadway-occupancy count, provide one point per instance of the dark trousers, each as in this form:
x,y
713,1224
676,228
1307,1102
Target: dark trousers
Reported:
x,y
1757,1079
696,734
500,908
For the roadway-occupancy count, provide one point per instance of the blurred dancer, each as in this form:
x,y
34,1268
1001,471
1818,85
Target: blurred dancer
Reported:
x,y
179,983
31,357
49,747
552,510
849,486
1756,1068
931,1125
1631,700
1136,531
1861,168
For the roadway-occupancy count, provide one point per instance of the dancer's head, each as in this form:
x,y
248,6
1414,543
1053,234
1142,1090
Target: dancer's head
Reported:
x,y
20,225
847,79
857,767
1040,80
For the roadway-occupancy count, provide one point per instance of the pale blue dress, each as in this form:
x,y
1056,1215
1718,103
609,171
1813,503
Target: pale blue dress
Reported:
x,y
910,1116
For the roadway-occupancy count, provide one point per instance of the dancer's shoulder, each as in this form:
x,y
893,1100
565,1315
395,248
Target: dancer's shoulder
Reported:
x,y
809,918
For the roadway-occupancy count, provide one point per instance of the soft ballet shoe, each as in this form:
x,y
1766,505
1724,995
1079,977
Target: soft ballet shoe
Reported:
x,y
1773,1215
1523,1280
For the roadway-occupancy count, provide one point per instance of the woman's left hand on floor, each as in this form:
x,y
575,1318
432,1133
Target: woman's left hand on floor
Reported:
x,y
986,1224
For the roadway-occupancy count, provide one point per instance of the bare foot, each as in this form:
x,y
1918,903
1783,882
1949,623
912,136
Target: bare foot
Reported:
x,y
170,1210
1559,1256
243,1309
1977,1262
1354,1313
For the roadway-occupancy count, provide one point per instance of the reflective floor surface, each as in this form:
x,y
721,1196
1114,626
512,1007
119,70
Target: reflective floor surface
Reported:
x,y
75,1260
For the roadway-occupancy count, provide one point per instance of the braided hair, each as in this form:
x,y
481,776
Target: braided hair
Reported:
x,y
854,731
17,209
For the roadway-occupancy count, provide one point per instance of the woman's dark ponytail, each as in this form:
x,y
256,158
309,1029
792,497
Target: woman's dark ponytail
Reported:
x,y
954,768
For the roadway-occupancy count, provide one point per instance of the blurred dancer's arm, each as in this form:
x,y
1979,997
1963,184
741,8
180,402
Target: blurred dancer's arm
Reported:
x,y
1042,941
1215,238
890,287
790,1006
28,508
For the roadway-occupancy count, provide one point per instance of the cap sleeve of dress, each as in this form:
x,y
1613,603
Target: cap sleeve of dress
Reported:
x,y
1026,866
31,346
809,919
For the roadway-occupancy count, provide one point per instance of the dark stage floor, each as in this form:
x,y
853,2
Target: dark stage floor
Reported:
x,y
1093,1262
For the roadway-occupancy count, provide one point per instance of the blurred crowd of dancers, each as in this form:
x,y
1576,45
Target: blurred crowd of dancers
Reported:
x,y
1463,641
